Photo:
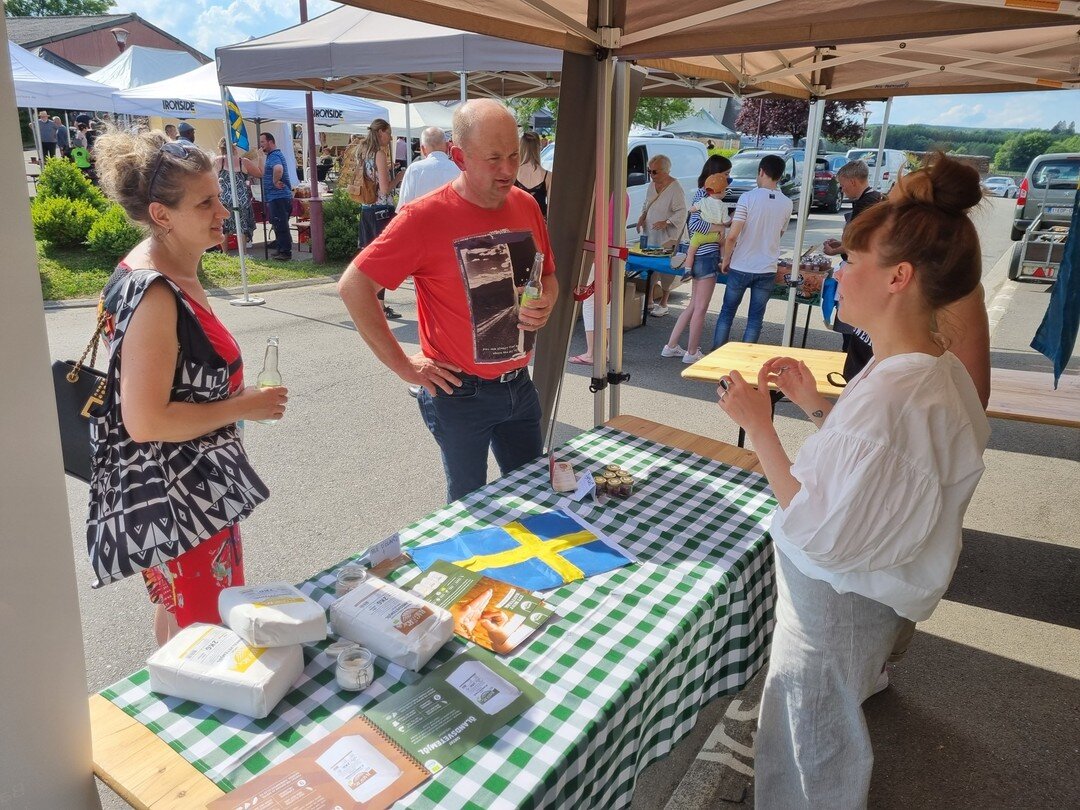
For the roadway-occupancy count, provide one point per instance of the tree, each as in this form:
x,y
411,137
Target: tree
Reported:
x,y
843,121
56,8
525,108
657,112
1016,154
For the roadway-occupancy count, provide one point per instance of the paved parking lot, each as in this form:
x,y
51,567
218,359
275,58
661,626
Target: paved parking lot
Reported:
x,y
984,709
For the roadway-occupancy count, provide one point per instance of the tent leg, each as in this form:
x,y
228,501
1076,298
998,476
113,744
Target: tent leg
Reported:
x,y
266,213
602,238
37,137
813,135
464,87
408,131
879,157
315,209
620,127
247,300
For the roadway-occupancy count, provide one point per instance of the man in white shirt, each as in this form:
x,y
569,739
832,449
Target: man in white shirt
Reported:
x,y
433,171
751,249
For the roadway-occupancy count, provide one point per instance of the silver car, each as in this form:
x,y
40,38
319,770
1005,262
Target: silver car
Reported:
x,y
1048,188
1001,187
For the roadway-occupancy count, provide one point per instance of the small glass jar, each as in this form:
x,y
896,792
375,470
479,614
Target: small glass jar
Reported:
x,y
348,577
355,669
626,486
601,482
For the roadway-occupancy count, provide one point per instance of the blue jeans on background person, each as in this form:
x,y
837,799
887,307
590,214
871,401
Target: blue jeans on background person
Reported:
x,y
478,415
761,286
279,221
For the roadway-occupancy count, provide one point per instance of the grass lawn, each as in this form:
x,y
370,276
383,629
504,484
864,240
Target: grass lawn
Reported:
x,y
78,273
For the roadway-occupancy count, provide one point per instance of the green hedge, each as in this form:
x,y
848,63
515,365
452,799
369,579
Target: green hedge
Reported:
x,y
60,178
113,234
341,217
61,221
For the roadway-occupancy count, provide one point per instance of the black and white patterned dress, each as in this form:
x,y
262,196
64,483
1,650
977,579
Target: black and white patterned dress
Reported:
x,y
150,502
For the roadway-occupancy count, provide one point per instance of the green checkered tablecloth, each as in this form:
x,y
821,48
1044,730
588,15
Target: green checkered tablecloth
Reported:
x,y
626,663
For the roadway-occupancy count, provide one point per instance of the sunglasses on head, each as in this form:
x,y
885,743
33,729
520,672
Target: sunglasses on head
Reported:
x,y
177,150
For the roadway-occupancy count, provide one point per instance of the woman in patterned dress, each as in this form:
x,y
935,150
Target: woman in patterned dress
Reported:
x,y
181,384
241,168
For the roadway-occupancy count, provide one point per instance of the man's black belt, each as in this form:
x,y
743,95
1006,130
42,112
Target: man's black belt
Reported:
x,y
505,377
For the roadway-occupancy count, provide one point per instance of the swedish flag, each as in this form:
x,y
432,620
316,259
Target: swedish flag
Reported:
x,y
537,552
237,130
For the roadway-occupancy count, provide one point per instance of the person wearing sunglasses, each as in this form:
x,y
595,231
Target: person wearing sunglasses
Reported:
x,y
171,458
662,219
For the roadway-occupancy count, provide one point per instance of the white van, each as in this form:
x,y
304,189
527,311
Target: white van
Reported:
x,y
895,162
687,159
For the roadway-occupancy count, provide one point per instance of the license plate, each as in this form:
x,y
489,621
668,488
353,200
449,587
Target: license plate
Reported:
x,y
1059,210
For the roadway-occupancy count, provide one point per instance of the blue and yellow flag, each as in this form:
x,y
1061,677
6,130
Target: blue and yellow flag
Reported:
x,y
537,552
237,130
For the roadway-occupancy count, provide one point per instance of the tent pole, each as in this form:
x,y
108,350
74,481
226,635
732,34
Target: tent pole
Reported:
x,y
315,209
879,158
247,300
813,135
37,137
601,239
266,212
464,87
620,126
408,130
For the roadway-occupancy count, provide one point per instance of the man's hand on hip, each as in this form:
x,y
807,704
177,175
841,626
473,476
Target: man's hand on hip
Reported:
x,y
434,375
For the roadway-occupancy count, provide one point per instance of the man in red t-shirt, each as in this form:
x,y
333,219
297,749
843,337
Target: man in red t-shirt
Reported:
x,y
469,247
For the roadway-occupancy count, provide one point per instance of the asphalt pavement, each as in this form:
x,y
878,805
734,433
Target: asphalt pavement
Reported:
x,y
984,709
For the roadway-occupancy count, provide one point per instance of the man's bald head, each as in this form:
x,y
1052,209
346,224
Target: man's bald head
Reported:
x,y
432,139
481,116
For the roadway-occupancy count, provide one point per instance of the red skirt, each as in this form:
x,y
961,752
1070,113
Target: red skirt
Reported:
x,y
188,586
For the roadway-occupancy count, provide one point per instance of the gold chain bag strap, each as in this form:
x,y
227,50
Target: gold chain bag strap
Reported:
x,y
79,388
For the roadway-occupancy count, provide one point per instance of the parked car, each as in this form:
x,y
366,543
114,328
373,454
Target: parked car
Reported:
x,y
1000,187
836,160
1048,188
894,161
744,172
687,159
827,192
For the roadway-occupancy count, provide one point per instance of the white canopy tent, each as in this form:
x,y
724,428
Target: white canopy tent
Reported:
x,y
139,65
197,94
42,84
422,115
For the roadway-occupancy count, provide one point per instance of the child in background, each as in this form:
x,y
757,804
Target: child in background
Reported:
x,y
711,209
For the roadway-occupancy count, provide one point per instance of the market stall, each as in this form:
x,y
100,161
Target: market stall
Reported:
x,y
695,594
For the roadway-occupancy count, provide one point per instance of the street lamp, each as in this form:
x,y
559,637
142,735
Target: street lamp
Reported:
x,y
121,36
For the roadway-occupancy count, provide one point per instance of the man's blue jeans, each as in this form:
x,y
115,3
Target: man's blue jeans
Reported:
x,y
478,415
761,286
279,219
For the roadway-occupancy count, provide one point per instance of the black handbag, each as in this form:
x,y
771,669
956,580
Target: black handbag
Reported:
x,y
78,389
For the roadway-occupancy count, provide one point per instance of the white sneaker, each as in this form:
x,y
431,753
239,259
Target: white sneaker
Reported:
x,y
658,311
689,358
249,245
678,351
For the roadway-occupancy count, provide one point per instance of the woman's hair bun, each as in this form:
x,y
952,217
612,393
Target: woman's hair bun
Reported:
x,y
944,182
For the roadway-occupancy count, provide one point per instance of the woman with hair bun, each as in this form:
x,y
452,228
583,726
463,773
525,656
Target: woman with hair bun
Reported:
x,y
170,477
861,555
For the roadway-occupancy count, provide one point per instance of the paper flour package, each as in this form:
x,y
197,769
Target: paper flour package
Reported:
x,y
274,615
399,626
212,665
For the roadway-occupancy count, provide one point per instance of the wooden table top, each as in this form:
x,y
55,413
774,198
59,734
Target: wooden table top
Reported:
x,y
147,773
1022,396
1029,396
748,358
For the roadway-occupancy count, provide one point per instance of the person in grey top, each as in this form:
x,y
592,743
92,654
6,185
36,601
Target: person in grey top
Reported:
x,y
47,133
63,137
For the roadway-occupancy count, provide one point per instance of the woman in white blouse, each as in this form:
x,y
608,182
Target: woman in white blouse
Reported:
x,y
867,534
662,219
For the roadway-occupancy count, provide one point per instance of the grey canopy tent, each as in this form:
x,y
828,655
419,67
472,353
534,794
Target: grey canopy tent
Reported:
x,y
700,125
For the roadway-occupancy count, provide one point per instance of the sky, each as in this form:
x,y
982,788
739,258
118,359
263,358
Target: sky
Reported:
x,y
208,24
